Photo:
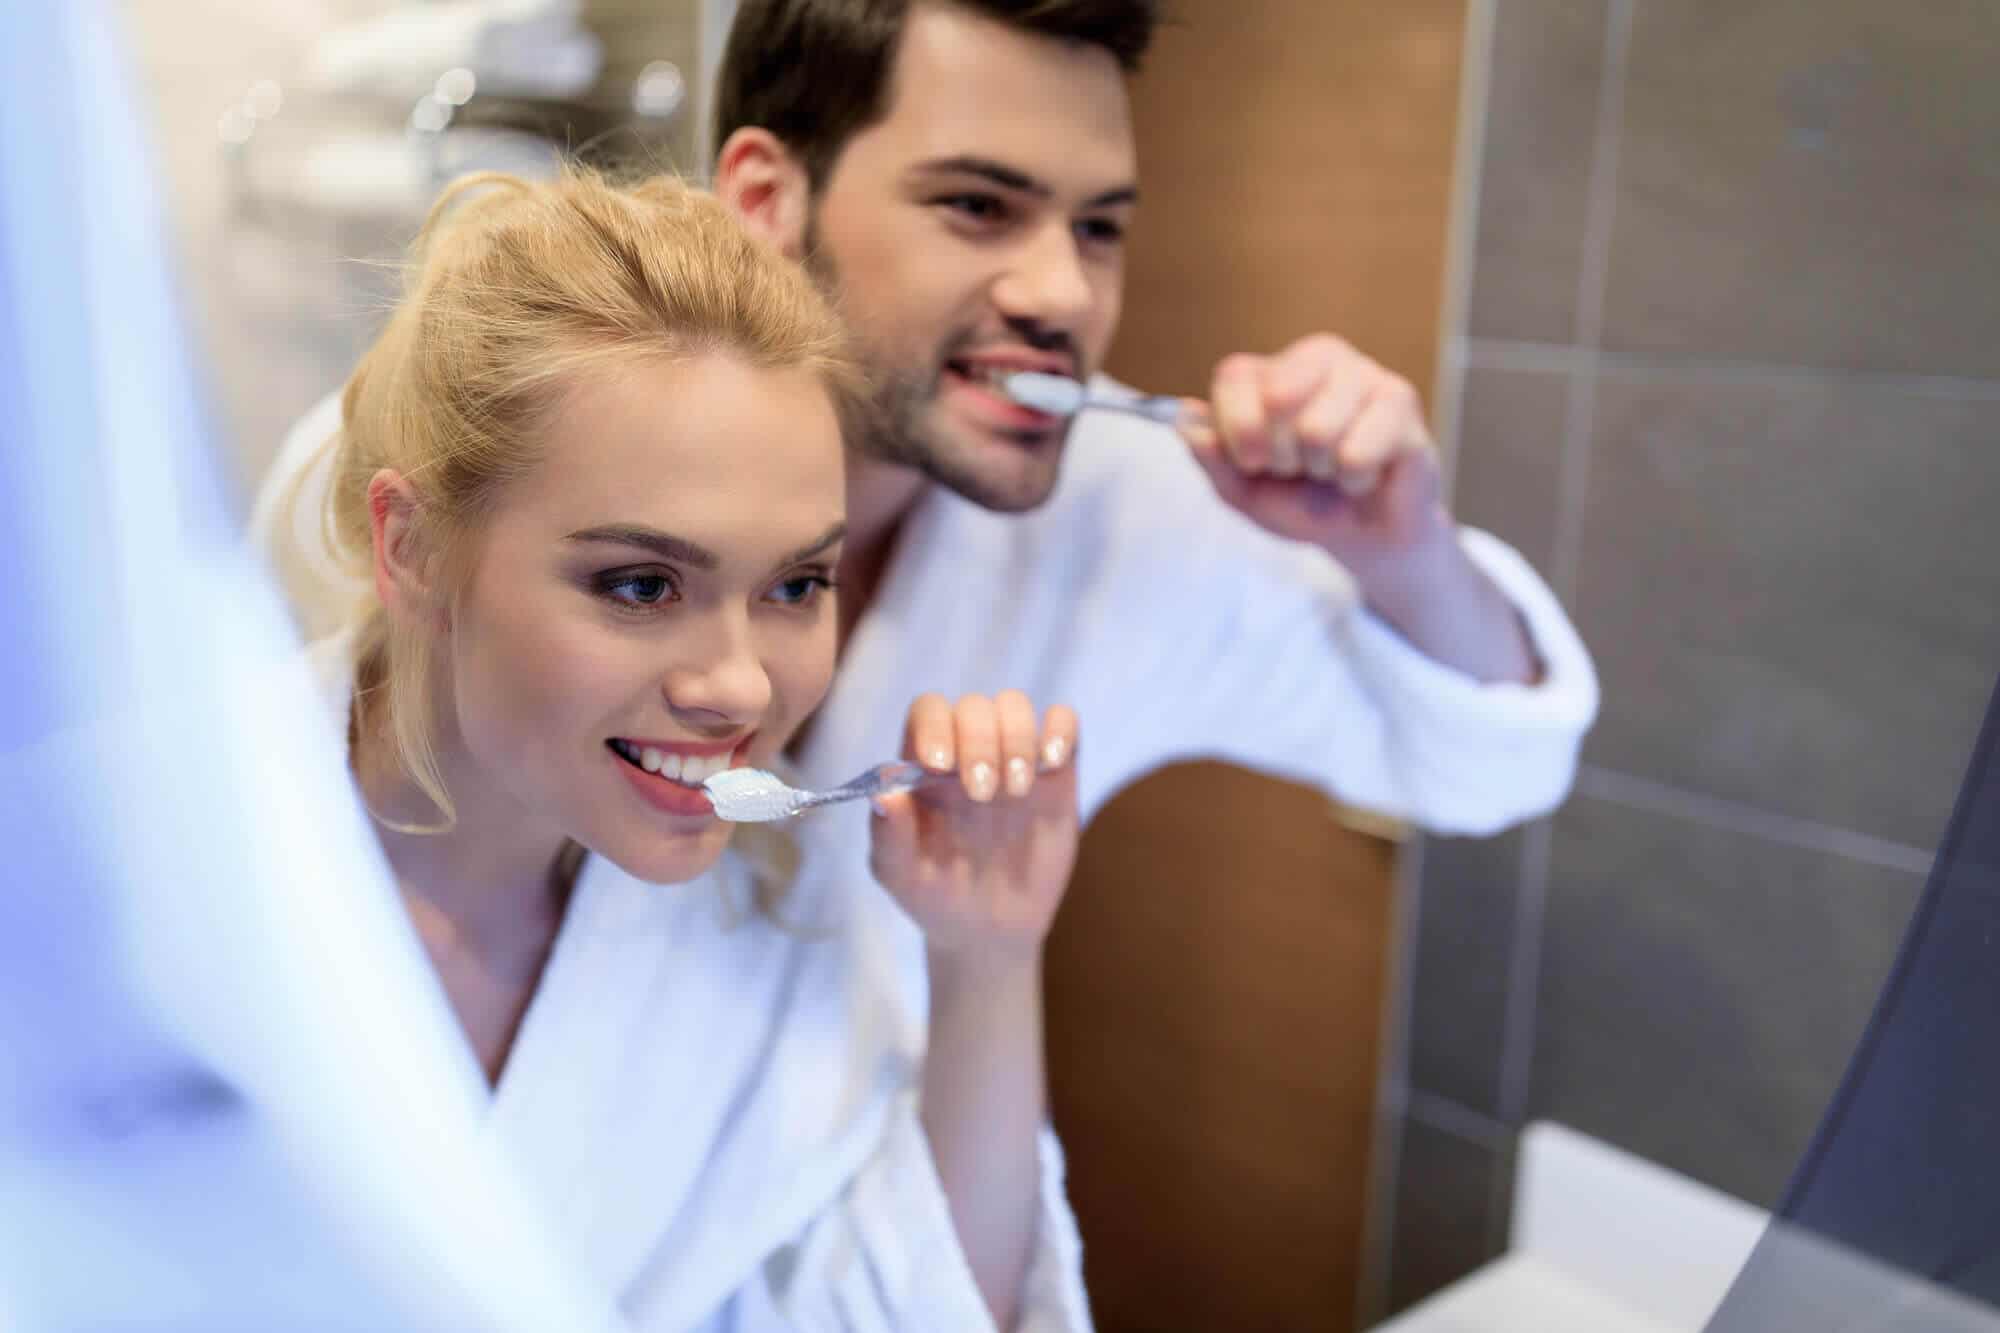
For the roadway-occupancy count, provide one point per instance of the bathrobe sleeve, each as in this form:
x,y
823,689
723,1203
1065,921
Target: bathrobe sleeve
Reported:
x,y
1232,645
883,1257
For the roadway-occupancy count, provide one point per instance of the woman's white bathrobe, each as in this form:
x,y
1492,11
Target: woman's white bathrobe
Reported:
x,y
718,1115
722,1120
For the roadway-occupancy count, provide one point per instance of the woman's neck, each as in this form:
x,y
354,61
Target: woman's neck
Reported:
x,y
493,880
486,897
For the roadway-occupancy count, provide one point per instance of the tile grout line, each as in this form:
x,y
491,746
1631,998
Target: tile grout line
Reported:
x,y
1565,358
1637,793
1447,1116
1591,283
1371,1295
1524,957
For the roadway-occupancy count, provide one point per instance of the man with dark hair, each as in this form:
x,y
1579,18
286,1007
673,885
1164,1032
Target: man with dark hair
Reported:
x,y
960,175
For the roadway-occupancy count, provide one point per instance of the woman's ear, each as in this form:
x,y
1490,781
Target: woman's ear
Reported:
x,y
765,185
404,577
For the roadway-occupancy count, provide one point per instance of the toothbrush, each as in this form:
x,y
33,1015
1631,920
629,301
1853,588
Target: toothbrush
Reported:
x,y
1061,396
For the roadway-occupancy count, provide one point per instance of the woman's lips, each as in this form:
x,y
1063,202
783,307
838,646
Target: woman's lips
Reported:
x,y
676,794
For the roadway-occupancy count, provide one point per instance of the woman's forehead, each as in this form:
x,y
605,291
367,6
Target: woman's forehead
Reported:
x,y
745,457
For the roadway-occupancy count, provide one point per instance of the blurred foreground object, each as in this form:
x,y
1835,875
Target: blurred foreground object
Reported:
x,y
231,1096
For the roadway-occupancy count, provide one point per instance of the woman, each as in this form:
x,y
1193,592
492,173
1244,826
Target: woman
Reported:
x,y
592,470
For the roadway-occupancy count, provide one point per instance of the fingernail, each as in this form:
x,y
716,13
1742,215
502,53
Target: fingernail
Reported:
x,y
983,782
1020,777
939,758
1319,465
879,806
1053,754
1284,450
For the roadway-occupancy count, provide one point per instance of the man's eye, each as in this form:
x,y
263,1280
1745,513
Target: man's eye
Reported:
x,y
978,207
1102,230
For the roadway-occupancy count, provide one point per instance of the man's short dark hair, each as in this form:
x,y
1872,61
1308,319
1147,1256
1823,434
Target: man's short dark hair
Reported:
x,y
816,72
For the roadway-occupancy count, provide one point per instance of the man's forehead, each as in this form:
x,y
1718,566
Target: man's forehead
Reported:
x,y
969,87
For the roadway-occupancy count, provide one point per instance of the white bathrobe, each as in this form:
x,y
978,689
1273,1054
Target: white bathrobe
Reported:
x,y
718,1114
722,1118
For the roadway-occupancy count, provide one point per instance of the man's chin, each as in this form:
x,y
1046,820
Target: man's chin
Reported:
x,y
1008,474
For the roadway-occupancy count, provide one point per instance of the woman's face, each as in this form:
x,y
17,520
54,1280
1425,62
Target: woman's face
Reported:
x,y
652,604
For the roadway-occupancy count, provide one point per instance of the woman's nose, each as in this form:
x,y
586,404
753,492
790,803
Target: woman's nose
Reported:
x,y
727,688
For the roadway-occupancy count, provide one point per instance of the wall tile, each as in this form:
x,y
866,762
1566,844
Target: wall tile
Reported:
x,y
1541,119
1464,954
1789,585
1444,1211
1811,182
1702,990
1507,470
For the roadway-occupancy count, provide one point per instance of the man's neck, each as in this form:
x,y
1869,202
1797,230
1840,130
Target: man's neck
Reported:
x,y
879,497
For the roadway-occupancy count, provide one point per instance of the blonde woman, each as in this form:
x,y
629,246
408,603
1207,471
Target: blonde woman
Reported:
x,y
592,477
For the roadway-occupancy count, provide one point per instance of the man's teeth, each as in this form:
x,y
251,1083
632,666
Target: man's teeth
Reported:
x,y
994,377
688,770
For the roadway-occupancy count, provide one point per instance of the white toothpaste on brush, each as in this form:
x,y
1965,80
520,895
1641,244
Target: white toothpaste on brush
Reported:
x,y
750,796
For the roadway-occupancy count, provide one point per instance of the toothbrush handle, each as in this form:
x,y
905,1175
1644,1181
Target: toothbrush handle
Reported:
x,y
1163,408
1169,410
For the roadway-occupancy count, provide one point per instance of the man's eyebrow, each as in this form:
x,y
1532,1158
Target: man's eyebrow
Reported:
x,y
1011,178
665,545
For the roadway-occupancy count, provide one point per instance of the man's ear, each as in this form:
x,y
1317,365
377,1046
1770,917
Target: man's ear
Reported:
x,y
404,576
765,185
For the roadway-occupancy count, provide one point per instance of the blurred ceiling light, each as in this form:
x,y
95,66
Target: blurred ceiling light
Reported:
x,y
430,115
659,90
264,99
236,125
455,87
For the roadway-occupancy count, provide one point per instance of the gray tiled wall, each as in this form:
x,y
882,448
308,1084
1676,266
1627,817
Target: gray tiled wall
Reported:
x,y
1730,374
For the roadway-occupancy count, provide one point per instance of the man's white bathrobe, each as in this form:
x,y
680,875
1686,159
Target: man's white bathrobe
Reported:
x,y
721,1117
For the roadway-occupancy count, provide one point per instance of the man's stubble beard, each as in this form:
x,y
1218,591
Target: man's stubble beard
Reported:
x,y
888,425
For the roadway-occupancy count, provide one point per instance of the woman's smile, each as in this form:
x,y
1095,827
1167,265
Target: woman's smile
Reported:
x,y
668,775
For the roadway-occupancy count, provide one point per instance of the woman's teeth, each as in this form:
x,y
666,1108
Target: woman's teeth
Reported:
x,y
688,770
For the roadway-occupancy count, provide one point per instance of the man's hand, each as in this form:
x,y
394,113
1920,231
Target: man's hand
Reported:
x,y
1323,445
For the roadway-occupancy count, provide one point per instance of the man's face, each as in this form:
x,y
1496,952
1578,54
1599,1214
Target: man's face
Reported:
x,y
978,229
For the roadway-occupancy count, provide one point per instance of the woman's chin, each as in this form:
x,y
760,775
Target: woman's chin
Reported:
x,y
673,859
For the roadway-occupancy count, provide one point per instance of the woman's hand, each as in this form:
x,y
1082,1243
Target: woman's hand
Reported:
x,y
981,863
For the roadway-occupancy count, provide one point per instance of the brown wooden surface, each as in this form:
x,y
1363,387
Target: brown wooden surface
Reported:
x,y
1215,990
1217,978
1296,163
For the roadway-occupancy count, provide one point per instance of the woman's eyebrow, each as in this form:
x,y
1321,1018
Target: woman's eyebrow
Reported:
x,y
665,545
807,552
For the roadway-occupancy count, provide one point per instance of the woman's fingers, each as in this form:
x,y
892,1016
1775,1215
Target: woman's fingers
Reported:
x,y
1016,716
978,734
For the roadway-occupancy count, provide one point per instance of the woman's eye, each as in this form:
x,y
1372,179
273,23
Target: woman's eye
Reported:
x,y
638,589
800,590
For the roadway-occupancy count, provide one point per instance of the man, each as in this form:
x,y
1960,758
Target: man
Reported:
x,y
960,175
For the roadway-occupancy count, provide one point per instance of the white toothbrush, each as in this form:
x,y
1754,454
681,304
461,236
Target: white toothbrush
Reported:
x,y
753,796
1061,396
